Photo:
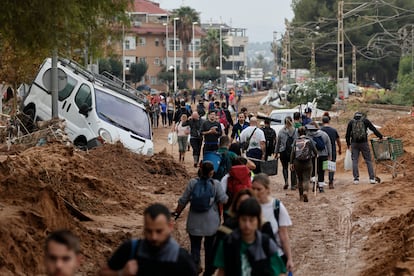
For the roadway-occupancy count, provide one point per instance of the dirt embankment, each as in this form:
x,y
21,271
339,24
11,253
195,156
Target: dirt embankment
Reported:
x,y
109,180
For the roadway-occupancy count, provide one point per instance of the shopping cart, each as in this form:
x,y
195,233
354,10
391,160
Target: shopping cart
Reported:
x,y
387,151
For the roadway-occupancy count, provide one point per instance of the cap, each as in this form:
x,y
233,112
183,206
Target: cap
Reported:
x,y
308,110
357,115
310,127
262,123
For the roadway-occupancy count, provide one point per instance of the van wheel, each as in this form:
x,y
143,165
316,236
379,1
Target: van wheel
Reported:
x,y
81,143
28,120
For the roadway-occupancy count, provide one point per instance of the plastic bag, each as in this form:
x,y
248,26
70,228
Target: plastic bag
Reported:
x,y
348,160
172,138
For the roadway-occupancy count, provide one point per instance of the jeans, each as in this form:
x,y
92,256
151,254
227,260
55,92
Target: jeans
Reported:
x,y
208,252
164,118
284,159
256,154
363,147
170,116
196,145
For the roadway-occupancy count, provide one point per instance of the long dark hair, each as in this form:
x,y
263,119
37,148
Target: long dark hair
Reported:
x,y
205,169
233,207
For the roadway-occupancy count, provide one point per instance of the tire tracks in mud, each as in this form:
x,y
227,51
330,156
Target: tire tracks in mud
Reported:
x,y
321,236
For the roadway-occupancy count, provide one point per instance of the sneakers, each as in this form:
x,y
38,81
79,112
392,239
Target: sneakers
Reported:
x,y
305,198
356,181
285,187
372,181
321,190
331,186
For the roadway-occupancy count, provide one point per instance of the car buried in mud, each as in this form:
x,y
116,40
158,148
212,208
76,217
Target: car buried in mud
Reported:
x,y
96,108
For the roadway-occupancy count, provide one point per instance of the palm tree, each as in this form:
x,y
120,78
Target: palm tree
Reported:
x,y
210,49
187,16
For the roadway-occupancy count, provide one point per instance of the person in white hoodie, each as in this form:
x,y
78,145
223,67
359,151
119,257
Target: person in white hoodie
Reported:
x,y
323,145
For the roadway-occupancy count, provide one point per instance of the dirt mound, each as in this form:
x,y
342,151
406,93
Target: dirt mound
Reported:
x,y
37,185
402,128
391,247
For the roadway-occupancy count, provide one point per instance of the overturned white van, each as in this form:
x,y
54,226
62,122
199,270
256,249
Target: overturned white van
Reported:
x,y
96,108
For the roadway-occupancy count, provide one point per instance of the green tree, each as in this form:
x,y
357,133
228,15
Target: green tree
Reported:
x,y
116,67
210,49
137,71
33,28
104,66
187,16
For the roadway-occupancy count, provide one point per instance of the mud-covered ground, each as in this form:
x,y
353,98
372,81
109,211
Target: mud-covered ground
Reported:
x,y
352,230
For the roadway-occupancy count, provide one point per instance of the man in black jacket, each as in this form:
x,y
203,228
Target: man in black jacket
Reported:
x,y
357,141
196,139
211,130
157,254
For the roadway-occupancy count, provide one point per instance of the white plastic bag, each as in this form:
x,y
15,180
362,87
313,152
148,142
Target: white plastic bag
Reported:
x,y
348,160
172,138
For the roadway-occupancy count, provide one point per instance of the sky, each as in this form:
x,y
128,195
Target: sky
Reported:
x,y
260,17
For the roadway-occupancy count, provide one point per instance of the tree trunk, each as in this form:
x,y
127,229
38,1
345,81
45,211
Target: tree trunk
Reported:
x,y
185,56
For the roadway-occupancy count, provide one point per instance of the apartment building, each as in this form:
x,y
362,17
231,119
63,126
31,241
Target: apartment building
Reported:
x,y
237,41
151,39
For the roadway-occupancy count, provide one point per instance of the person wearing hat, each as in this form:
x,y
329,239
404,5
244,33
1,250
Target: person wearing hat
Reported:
x,y
357,141
324,147
334,137
307,118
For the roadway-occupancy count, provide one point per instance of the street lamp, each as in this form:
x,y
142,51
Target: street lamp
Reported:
x,y
194,23
175,54
166,43
221,59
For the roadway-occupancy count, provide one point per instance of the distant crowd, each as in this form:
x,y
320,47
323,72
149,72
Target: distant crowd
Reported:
x,y
243,229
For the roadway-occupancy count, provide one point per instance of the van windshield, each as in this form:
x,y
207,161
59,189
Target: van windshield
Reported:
x,y
279,116
123,114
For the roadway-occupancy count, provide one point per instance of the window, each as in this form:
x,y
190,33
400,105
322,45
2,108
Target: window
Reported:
x,y
142,60
141,41
197,45
157,42
171,44
65,92
83,96
157,61
127,63
127,46
197,65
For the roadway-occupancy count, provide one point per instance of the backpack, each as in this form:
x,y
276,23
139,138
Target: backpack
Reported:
x,y
223,119
319,143
359,132
202,195
303,150
270,136
235,185
224,166
289,144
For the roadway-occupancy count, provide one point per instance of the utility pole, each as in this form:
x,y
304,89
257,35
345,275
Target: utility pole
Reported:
x,y
313,62
340,61
275,52
354,69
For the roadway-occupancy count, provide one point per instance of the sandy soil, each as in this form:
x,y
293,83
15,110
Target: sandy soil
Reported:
x,y
351,230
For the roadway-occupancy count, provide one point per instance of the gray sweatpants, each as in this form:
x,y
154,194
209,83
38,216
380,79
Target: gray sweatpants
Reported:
x,y
363,147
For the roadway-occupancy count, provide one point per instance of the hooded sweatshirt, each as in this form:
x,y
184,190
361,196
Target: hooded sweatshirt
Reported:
x,y
327,151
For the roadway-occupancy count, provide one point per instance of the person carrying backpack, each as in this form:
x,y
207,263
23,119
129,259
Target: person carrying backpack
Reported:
x,y
357,141
270,136
246,250
204,195
156,254
286,136
301,162
323,145
335,141
225,117
275,212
